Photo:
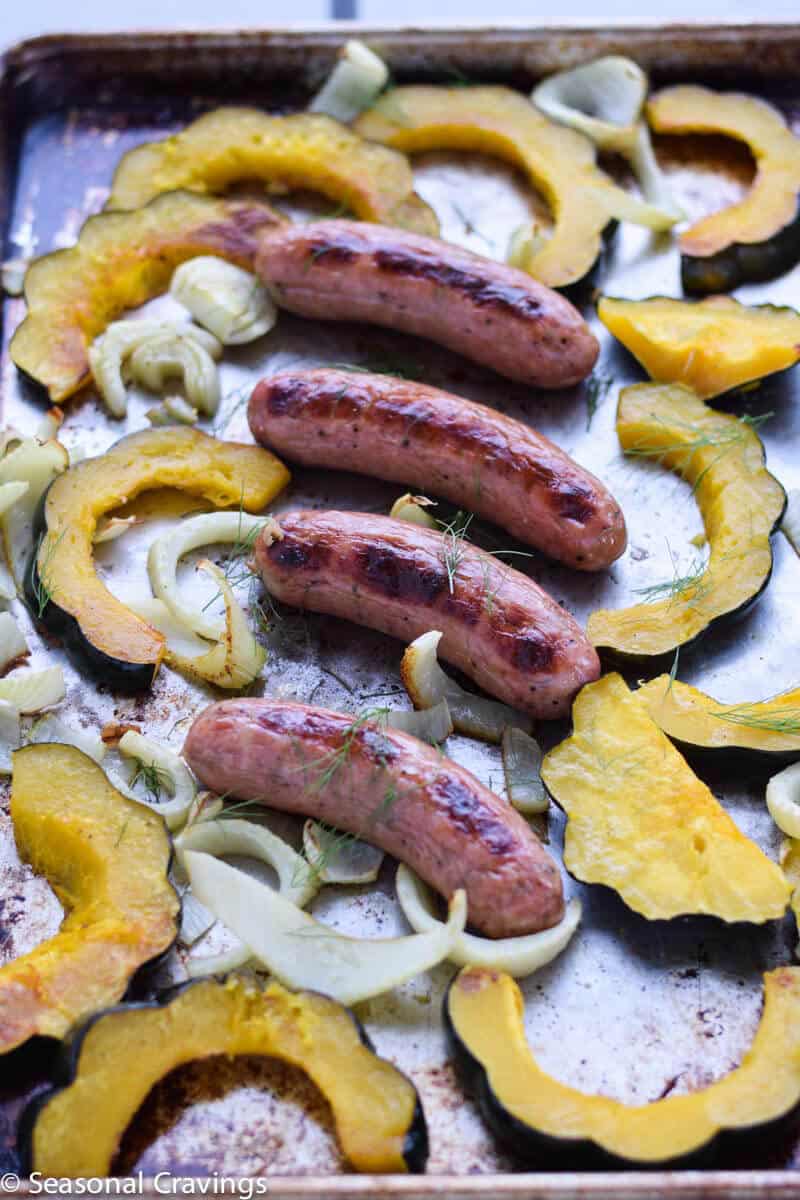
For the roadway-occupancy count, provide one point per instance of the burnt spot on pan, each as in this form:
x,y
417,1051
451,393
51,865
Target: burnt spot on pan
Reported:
x,y
486,293
470,814
385,570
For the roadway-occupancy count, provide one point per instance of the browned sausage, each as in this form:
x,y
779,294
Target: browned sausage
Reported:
x,y
498,626
390,789
485,310
470,454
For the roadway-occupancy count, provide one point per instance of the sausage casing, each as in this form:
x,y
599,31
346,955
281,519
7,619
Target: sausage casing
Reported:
x,y
487,311
390,789
498,626
474,456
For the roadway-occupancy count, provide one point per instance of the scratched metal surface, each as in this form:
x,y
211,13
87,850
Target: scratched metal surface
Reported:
x,y
633,1009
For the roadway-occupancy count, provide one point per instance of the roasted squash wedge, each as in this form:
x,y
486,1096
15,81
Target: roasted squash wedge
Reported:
x,y
107,859
121,1055
641,822
741,504
759,237
712,346
62,587
697,721
119,261
540,1119
560,162
304,150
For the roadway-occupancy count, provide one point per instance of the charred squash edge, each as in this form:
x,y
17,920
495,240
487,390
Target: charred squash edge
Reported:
x,y
373,181
613,650
738,260
527,1142
132,675
742,737
73,295
720,386
170,913
67,1069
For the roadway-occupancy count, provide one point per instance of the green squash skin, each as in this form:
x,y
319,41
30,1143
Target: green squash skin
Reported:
x,y
112,672
742,263
540,1150
66,1063
611,656
580,291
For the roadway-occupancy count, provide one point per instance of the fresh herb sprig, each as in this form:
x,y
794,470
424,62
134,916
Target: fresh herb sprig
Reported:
x,y
43,587
454,533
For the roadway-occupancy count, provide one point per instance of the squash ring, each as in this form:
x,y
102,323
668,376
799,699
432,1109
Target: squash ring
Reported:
x,y
303,150
115,1060
741,504
120,261
759,237
107,637
536,1116
559,161
107,859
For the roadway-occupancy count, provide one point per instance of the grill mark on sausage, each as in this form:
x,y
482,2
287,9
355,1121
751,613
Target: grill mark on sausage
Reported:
x,y
399,576
532,651
329,250
419,423
483,292
469,814
292,554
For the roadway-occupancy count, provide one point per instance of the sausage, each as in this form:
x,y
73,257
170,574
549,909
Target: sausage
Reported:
x,y
498,626
470,454
390,789
485,310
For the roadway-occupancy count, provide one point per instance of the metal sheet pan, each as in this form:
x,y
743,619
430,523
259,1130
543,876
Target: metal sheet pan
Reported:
x,y
633,1008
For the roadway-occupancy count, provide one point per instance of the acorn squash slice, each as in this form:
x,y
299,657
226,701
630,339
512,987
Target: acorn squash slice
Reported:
x,y
560,163
541,1119
641,822
62,587
712,346
759,237
741,504
304,150
696,721
120,261
119,1056
107,860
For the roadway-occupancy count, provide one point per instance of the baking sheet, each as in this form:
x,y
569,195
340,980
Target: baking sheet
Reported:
x,y
635,1009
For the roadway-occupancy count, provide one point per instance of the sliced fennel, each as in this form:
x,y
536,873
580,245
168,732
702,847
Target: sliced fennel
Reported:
x,y
37,465
181,642
604,100
353,85
12,275
237,528
790,525
522,761
111,349
519,956
334,857
180,410
297,881
206,806
31,691
110,528
52,729
236,956
525,241
414,509
237,658
431,725
50,424
169,356
162,770
9,735
427,685
12,641
303,953
196,920
11,492
783,800
229,302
